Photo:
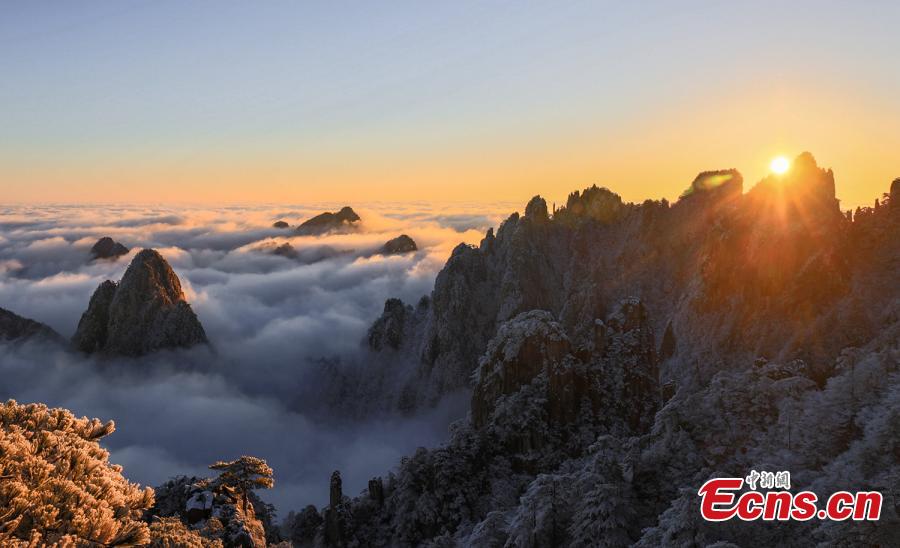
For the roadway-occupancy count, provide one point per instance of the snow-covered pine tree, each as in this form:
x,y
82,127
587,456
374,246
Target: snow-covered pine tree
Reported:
x,y
241,476
58,487
603,516
544,515
172,533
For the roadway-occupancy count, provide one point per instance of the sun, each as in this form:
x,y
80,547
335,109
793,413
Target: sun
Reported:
x,y
779,165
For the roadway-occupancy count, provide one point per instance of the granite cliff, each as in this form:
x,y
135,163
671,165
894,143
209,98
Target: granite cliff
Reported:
x,y
146,311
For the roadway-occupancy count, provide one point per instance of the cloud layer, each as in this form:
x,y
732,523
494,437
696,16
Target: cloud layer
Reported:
x,y
269,318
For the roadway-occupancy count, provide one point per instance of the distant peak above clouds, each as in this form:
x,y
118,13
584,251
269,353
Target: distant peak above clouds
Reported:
x,y
144,312
16,328
107,248
344,219
400,244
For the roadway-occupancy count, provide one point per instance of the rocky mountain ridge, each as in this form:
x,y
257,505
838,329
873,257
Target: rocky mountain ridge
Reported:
x,y
721,273
16,328
779,317
344,219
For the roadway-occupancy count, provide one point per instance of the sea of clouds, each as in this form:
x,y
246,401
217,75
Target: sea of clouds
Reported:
x,y
270,320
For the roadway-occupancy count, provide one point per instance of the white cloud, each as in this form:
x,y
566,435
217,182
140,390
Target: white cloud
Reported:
x,y
268,317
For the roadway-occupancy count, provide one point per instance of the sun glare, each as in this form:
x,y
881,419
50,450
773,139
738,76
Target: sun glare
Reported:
x,y
779,165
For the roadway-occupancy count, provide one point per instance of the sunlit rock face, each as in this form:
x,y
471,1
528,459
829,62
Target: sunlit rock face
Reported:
x,y
146,311
107,248
15,328
343,220
721,184
805,187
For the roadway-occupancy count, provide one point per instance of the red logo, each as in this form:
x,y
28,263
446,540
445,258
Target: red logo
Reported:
x,y
721,500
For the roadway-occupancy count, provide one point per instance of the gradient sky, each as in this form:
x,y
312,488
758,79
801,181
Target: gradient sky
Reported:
x,y
158,101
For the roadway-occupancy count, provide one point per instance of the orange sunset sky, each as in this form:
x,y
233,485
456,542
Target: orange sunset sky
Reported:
x,y
293,102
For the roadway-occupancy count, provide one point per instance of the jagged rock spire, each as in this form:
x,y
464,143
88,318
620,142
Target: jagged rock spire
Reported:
x,y
144,312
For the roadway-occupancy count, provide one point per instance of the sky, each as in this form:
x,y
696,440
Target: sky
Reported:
x,y
292,102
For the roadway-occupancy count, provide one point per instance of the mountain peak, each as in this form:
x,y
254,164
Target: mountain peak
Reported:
x,y
144,312
107,248
399,245
151,275
536,210
346,214
805,160
720,182
804,186
326,222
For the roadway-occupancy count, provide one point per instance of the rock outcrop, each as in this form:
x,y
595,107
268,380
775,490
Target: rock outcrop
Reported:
x,y
536,210
285,250
15,328
399,245
533,349
529,345
146,311
721,184
216,514
387,331
107,248
343,220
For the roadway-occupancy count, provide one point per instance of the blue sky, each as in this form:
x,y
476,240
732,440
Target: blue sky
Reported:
x,y
95,92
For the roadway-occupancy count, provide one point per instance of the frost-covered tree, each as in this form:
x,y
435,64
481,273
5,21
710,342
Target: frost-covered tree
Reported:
x,y
490,532
172,533
544,515
603,517
301,527
679,526
239,477
215,510
58,487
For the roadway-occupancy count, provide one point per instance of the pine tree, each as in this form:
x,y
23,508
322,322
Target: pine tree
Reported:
x,y
239,477
172,533
544,515
604,516
58,486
